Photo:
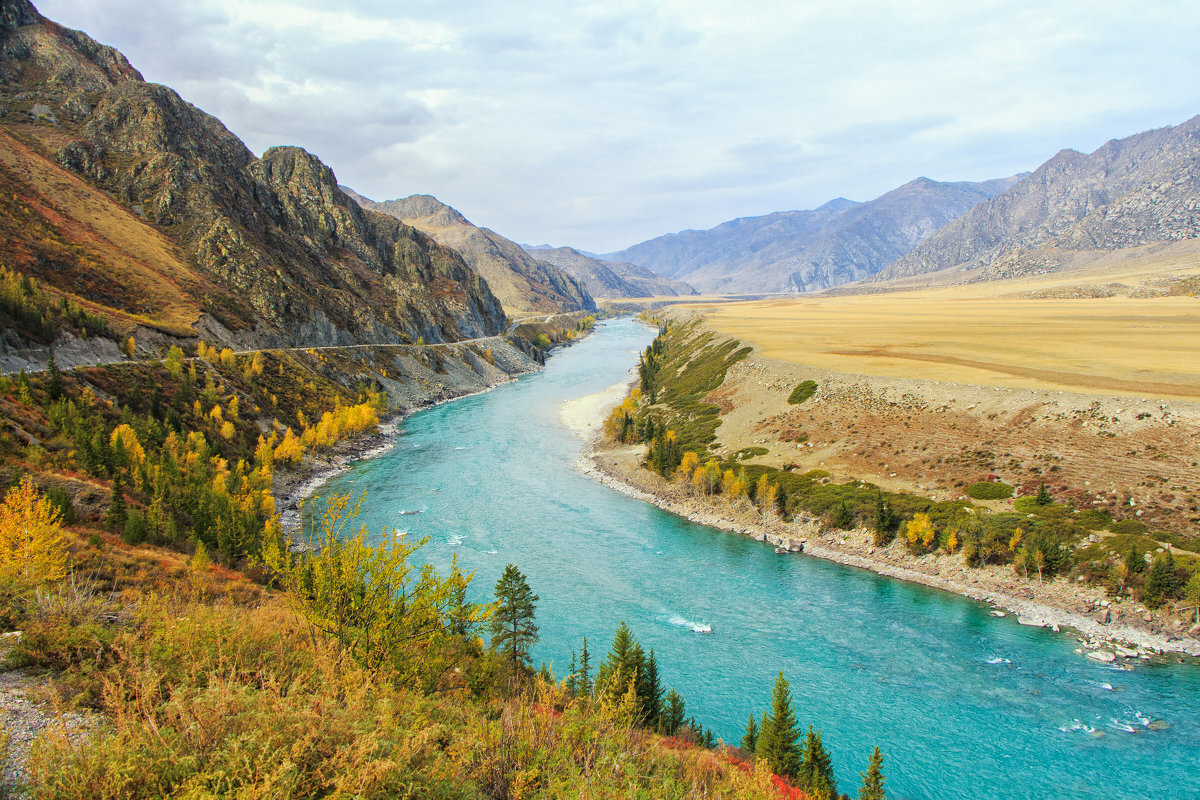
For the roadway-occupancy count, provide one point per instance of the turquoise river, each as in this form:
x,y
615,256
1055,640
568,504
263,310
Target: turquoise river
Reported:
x,y
963,704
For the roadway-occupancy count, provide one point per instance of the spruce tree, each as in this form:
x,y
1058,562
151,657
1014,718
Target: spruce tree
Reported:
x,y
585,665
55,383
672,715
116,505
513,628
843,519
1043,497
872,785
622,663
572,686
815,774
750,740
650,691
777,742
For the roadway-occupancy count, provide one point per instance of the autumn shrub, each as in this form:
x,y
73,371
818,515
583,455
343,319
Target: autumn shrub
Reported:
x,y
989,490
803,391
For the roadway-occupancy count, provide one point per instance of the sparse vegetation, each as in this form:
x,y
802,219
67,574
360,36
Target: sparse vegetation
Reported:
x,y
803,391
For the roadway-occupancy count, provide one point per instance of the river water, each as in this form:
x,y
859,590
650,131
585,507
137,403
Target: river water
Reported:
x,y
963,704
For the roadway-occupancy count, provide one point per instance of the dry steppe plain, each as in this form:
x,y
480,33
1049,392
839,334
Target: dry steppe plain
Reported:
x,y
1029,380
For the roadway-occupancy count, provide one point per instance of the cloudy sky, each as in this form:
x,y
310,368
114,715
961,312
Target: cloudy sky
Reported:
x,y
603,124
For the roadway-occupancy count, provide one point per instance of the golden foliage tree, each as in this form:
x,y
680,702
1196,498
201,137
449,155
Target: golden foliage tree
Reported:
x,y
31,544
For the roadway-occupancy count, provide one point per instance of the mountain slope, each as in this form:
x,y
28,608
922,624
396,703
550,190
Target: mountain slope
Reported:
x,y
839,242
522,282
610,279
1130,192
249,250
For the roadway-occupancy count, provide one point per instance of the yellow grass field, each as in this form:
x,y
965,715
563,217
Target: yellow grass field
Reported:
x,y
990,334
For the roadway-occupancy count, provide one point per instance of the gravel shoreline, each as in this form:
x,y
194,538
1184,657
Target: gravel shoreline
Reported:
x,y
612,467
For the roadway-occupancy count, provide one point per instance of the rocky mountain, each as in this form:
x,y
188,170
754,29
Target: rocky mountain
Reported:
x,y
125,199
523,283
609,279
794,251
1134,191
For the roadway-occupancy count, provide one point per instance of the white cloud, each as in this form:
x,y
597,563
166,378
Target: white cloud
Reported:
x,y
600,124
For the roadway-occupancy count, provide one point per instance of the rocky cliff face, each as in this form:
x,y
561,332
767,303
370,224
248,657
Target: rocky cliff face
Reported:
x,y
285,256
610,279
1130,192
522,282
795,251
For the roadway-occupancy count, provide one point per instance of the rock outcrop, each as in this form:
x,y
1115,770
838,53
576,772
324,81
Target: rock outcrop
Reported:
x,y
270,247
523,283
1140,190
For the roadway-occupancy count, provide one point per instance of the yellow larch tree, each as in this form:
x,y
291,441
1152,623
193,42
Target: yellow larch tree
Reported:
x,y
31,543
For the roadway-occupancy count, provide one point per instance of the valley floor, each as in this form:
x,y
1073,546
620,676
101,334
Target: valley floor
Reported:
x,y
1134,457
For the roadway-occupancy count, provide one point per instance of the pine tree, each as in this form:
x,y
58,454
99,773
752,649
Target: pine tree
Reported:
x,y
54,384
572,685
815,774
650,692
885,521
843,519
750,740
585,665
1043,497
513,628
621,665
872,785
777,741
116,505
672,715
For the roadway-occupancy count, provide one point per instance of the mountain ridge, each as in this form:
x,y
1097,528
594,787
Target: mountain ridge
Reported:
x,y
838,242
1129,192
521,281
610,279
279,255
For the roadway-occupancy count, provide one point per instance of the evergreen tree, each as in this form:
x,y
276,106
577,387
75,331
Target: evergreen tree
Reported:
x,y
545,674
777,741
585,665
885,521
1163,582
1134,562
1043,497
815,774
513,628
572,685
54,384
672,715
750,740
116,505
872,785
621,665
650,691
843,519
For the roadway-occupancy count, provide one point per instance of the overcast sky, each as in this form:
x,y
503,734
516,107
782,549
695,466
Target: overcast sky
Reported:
x,y
599,125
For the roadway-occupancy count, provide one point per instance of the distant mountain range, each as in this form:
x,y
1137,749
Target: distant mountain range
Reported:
x,y
522,282
609,279
793,251
1134,191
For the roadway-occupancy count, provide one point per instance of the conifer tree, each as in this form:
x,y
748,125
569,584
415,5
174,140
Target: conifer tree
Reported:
x,y
843,519
54,384
585,665
650,691
777,740
750,739
621,665
1043,497
672,715
116,505
872,785
572,685
815,774
513,628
